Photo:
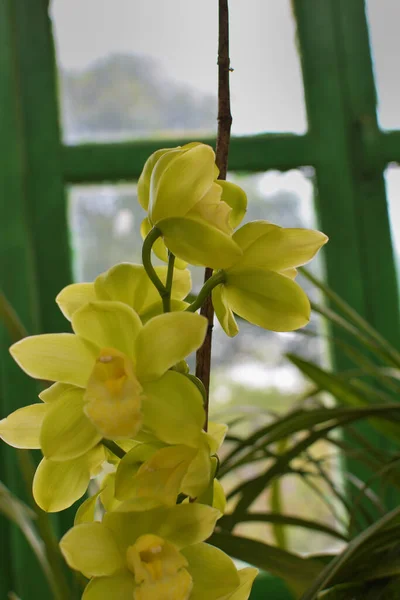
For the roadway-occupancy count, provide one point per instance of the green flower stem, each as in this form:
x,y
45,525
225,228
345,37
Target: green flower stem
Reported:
x,y
148,243
168,284
210,284
114,448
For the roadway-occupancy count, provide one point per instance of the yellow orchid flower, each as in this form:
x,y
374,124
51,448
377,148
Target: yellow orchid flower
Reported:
x,y
195,213
155,554
117,371
127,283
56,484
260,286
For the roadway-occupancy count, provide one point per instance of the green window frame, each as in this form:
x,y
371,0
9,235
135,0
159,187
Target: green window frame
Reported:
x,y
343,144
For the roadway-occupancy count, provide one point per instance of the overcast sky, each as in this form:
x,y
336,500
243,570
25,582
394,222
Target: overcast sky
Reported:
x,y
266,83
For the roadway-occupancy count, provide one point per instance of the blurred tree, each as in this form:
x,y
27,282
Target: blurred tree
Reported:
x,y
125,96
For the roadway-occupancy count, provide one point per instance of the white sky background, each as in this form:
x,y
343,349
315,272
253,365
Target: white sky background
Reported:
x,y
266,85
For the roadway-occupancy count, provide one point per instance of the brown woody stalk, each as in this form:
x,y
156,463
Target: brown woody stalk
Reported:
x,y
203,357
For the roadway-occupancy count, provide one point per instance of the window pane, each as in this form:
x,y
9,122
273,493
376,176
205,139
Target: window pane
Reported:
x,y
148,69
384,17
250,372
392,176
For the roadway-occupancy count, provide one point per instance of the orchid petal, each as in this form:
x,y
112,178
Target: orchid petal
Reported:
x,y
60,357
108,324
21,428
166,340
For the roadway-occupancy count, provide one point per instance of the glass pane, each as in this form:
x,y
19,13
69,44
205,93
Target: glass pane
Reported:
x,y
250,371
384,17
148,69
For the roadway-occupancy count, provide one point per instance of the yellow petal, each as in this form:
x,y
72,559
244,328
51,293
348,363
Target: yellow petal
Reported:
x,y
173,409
120,586
166,340
212,210
91,549
66,431
74,296
276,248
56,357
267,299
57,485
214,573
223,311
126,283
21,429
108,325
113,397
143,185
179,181
236,198
181,525
199,243
53,392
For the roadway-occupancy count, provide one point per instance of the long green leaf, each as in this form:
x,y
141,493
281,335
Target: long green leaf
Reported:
x,y
280,519
343,391
331,572
297,571
353,316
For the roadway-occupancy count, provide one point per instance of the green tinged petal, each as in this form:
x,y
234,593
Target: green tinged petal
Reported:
x,y
182,525
128,467
157,309
179,181
166,340
267,299
91,549
219,498
107,493
198,472
199,243
159,478
57,485
173,409
276,248
159,248
120,586
74,296
86,511
236,198
129,283
246,577
22,428
214,573
108,324
216,434
143,185
66,431
60,357
223,311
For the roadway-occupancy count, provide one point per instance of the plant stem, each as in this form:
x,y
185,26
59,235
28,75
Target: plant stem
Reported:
x,y
114,448
148,243
203,356
168,284
204,294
